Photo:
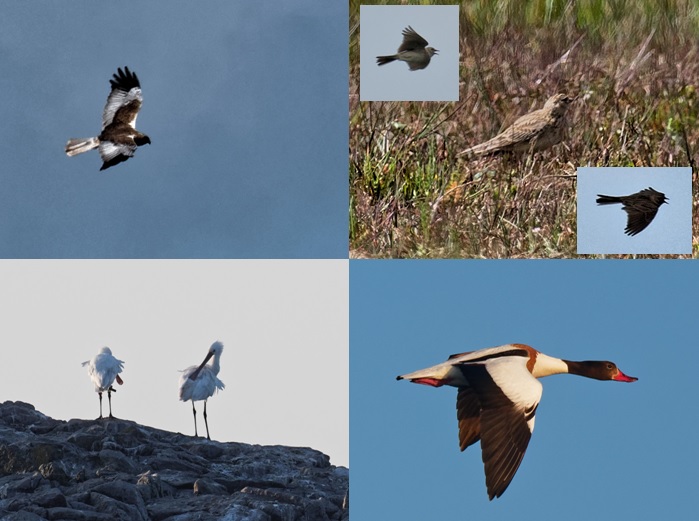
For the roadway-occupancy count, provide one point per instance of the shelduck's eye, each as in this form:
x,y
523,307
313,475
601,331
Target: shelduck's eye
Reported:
x,y
610,365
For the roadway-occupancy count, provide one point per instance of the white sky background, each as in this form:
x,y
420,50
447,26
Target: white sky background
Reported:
x,y
284,325
601,228
381,34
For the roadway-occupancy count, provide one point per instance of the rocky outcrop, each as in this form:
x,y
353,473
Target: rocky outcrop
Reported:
x,y
108,470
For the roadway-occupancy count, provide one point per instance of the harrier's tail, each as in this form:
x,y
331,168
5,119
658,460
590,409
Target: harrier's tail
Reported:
x,y
79,146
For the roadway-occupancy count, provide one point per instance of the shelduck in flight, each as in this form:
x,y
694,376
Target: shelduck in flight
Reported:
x,y
497,400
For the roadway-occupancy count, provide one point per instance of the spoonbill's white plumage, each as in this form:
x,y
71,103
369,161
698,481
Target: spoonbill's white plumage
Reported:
x,y
201,382
103,370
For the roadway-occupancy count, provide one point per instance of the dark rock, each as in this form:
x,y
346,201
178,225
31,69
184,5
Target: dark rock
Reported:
x,y
54,472
51,498
13,459
112,470
22,516
20,483
43,453
205,486
115,461
150,486
70,514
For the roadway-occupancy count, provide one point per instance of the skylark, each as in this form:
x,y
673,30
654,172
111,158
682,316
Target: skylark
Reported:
x,y
535,131
641,207
413,51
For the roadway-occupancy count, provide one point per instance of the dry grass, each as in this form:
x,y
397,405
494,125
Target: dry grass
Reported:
x,y
634,69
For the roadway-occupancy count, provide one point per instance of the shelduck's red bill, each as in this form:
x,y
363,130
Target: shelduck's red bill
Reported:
x,y
621,377
434,382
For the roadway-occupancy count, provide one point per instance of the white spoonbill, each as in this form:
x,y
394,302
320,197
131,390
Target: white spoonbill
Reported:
x,y
103,370
200,382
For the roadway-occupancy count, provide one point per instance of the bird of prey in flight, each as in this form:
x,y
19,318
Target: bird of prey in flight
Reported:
x,y
119,138
641,207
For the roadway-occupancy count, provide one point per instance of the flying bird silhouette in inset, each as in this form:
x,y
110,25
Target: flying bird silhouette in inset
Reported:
x,y
641,207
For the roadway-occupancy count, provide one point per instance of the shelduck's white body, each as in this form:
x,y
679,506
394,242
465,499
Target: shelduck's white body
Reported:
x,y
498,397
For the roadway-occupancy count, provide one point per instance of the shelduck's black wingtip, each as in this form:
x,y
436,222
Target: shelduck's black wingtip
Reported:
x,y
399,377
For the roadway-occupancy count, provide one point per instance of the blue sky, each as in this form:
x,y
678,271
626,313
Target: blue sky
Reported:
x,y
276,319
381,34
621,448
601,228
246,107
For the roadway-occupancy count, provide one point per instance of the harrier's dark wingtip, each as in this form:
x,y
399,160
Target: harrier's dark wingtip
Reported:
x,y
124,79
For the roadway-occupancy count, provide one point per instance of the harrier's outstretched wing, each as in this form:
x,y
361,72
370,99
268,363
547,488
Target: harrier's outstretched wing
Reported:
x,y
124,101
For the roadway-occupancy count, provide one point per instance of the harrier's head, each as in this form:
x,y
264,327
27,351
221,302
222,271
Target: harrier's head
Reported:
x,y
142,140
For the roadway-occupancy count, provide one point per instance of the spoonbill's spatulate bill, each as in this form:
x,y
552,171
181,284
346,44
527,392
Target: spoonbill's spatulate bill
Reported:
x,y
103,370
200,382
498,397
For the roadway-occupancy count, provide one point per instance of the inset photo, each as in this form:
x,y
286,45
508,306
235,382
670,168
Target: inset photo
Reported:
x,y
635,210
409,53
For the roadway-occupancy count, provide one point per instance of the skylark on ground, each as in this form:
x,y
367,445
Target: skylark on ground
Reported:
x,y
535,131
413,51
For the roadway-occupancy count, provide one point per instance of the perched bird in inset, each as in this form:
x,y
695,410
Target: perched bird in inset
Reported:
x,y
103,370
498,397
413,51
641,207
201,382
535,131
119,138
